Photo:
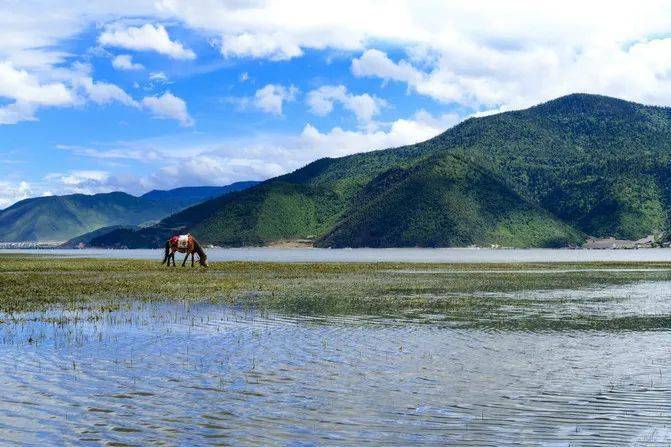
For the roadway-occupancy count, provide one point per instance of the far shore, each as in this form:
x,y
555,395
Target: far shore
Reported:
x,y
591,244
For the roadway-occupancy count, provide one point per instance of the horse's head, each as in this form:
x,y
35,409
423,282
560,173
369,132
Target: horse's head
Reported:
x,y
203,262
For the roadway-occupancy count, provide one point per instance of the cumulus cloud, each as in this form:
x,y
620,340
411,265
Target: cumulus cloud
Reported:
x,y
147,37
363,106
168,106
272,46
24,87
271,97
102,92
125,62
67,87
27,94
79,178
338,142
13,192
377,63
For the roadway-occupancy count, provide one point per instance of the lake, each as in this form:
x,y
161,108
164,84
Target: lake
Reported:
x,y
448,255
174,373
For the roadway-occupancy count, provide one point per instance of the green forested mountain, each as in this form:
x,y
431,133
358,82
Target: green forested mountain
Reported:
x,y
59,218
545,176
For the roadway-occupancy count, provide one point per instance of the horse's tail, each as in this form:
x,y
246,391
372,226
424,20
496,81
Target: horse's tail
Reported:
x,y
167,251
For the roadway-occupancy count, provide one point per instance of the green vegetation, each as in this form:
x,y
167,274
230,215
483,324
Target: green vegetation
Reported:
x,y
546,176
517,296
447,200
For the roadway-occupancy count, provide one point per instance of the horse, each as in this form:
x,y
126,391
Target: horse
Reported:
x,y
184,243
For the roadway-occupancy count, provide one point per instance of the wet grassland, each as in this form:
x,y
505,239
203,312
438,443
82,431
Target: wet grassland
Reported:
x,y
128,352
504,296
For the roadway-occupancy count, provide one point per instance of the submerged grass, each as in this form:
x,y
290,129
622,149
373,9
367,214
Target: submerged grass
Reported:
x,y
487,295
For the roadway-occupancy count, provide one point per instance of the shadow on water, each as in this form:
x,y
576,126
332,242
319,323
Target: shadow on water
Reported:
x,y
559,366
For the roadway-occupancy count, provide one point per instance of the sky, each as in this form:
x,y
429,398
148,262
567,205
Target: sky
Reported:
x,y
138,95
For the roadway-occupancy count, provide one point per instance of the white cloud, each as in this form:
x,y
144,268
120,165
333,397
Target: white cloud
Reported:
x,y
84,182
158,77
67,87
78,178
376,63
102,92
111,154
211,168
272,46
125,62
271,97
28,94
13,192
147,37
16,112
168,106
24,87
338,142
363,106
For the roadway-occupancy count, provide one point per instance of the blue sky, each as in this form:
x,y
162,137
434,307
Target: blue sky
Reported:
x,y
136,95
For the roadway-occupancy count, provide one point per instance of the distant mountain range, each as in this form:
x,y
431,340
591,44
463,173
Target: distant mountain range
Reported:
x,y
59,218
190,195
542,177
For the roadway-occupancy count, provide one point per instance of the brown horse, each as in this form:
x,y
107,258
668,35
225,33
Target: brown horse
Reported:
x,y
184,244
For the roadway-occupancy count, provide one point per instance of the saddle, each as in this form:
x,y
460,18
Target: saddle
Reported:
x,y
183,241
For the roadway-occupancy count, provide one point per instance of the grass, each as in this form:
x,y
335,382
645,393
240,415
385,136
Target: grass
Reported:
x,y
489,295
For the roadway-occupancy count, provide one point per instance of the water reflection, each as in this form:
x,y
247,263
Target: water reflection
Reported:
x,y
180,374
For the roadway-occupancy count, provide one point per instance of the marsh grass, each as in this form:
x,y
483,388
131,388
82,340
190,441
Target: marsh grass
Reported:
x,y
471,294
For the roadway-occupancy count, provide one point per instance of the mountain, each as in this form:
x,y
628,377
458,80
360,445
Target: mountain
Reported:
x,y
59,218
190,195
545,176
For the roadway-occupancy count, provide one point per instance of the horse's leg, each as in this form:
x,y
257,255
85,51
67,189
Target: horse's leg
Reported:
x,y
172,256
185,258
192,255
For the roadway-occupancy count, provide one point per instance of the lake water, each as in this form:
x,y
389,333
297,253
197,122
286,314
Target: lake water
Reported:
x,y
449,255
204,374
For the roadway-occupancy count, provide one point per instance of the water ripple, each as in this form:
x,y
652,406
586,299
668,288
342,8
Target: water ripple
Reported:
x,y
178,374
